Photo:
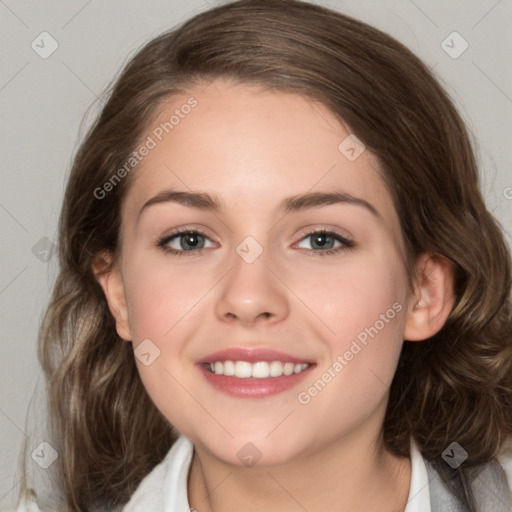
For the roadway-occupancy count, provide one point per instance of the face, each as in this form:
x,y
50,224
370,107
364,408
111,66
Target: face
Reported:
x,y
319,284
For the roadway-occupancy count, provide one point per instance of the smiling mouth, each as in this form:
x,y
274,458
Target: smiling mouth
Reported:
x,y
257,370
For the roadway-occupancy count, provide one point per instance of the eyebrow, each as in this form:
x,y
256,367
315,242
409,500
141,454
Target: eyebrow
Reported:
x,y
207,202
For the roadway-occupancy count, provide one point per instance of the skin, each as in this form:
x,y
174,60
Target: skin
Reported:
x,y
252,149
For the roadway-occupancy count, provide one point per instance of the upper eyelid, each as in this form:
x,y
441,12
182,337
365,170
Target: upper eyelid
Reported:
x,y
324,229
182,231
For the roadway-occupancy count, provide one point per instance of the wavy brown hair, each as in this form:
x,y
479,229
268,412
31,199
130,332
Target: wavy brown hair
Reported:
x,y
457,386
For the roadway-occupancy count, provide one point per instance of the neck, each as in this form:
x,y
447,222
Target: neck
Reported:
x,y
349,474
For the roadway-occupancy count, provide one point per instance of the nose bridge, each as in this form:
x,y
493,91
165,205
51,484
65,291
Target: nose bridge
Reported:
x,y
251,289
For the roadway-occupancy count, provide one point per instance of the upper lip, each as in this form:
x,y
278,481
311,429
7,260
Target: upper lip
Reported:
x,y
251,356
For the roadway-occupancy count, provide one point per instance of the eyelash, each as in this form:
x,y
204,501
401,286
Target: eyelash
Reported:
x,y
162,243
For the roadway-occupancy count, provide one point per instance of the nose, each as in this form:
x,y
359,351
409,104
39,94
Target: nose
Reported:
x,y
252,292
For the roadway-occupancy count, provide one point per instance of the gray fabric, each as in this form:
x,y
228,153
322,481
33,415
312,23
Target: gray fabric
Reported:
x,y
489,485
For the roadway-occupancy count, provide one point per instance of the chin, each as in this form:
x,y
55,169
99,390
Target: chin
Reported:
x,y
254,450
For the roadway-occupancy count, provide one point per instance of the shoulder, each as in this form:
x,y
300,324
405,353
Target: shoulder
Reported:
x,y
505,460
151,492
491,484
27,505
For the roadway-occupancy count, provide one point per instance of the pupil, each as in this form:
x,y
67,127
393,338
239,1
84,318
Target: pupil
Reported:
x,y
320,239
191,239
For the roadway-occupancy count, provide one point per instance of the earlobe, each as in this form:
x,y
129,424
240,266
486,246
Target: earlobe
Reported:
x,y
110,279
433,299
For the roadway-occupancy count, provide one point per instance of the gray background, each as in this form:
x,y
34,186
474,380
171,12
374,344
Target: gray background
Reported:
x,y
43,102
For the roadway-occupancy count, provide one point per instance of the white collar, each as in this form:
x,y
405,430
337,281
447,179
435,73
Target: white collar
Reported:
x,y
419,490
165,488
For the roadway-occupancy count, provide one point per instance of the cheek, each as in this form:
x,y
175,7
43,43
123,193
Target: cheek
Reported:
x,y
159,295
361,307
351,297
161,307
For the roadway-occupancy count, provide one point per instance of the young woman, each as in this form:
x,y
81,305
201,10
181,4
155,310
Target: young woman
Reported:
x,y
280,287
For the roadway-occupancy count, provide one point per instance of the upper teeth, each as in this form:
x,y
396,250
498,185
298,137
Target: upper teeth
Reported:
x,y
259,370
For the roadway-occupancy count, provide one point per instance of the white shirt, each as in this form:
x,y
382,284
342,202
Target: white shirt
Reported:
x,y
164,489
169,479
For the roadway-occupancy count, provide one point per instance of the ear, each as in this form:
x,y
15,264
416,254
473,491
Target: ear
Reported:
x,y
433,299
110,279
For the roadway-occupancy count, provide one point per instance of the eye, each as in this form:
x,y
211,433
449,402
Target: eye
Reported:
x,y
189,241
325,240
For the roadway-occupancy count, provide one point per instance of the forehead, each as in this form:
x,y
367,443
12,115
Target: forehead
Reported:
x,y
253,147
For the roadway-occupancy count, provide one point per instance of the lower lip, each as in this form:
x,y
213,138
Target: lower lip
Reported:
x,y
252,387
